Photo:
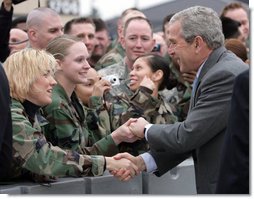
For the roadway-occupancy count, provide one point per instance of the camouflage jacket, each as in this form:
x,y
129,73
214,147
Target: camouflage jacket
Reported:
x,y
68,129
139,104
119,69
97,118
180,95
34,154
115,55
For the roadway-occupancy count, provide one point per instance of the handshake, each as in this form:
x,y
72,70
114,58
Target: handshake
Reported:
x,y
123,165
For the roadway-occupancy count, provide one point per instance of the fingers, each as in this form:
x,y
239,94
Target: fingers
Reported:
x,y
147,82
122,175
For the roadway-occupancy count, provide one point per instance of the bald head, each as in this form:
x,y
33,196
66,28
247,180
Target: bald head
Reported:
x,y
18,40
43,25
37,16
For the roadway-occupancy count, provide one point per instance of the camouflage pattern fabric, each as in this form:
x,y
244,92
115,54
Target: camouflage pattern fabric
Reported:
x,y
32,153
139,104
180,95
119,69
97,118
115,55
68,129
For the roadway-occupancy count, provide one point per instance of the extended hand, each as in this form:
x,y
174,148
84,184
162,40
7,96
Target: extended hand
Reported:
x,y
137,127
124,134
125,166
124,175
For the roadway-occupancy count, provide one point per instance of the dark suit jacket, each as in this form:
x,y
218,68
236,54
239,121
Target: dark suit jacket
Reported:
x,y
203,130
234,169
5,127
5,27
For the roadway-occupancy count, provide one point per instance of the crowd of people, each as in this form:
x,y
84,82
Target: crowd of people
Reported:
x,y
179,93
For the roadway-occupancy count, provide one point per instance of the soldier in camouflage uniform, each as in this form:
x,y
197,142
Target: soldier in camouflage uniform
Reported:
x,y
140,99
180,94
91,97
67,127
117,53
149,75
137,40
30,148
33,155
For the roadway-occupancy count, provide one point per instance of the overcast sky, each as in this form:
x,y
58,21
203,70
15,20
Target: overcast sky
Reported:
x,y
111,8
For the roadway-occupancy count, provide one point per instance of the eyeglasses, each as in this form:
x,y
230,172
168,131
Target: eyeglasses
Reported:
x,y
18,42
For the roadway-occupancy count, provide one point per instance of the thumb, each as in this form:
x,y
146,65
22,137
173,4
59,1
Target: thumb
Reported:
x,y
120,156
131,120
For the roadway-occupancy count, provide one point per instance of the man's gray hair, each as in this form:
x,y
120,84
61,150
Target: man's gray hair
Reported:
x,y
200,21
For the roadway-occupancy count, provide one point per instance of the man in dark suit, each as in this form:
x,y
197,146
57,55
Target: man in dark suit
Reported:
x,y
5,127
196,47
234,169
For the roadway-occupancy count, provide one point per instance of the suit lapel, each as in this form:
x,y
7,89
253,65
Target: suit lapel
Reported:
x,y
213,58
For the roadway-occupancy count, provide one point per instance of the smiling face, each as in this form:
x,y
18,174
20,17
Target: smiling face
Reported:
x,y
138,39
85,90
74,66
103,42
139,71
86,32
182,53
41,90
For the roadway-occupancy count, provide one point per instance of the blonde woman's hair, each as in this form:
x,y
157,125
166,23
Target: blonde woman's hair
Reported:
x,y
59,46
24,67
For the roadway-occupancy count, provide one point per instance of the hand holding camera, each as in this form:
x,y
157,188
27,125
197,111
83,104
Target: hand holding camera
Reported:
x,y
113,79
101,87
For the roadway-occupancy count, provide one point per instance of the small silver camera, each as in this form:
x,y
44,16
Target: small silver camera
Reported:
x,y
113,79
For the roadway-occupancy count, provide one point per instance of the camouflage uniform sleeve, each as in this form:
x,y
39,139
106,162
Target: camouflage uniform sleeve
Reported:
x,y
105,146
99,129
97,114
64,129
34,153
155,110
80,138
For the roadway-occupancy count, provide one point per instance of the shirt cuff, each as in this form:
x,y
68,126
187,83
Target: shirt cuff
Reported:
x,y
151,166
146,129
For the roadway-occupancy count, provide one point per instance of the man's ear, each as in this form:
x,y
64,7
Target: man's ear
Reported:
x,y
198,42
32,34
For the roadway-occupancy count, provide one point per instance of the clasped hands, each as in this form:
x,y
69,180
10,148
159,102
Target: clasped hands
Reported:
x,y
127,166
